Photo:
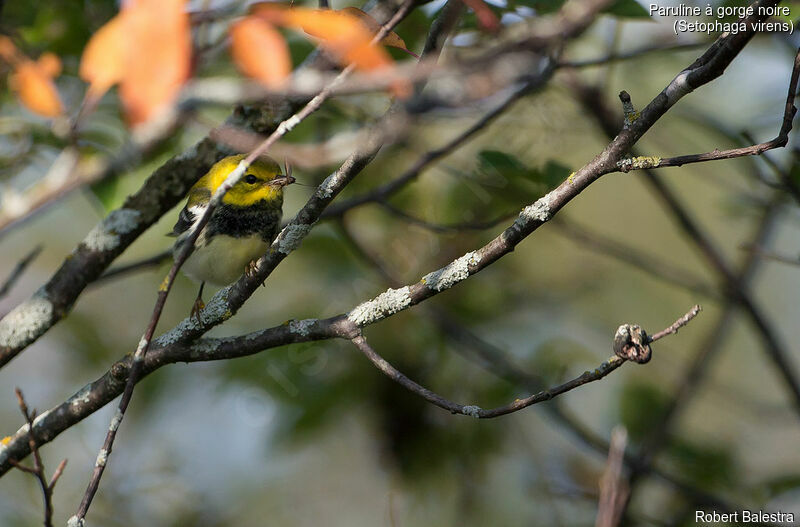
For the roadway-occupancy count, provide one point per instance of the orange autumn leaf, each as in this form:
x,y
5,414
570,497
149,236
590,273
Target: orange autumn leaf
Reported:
x,y
158,53
392,39
103,60
342,34
260,51
36,89
147,50
8,51
49,64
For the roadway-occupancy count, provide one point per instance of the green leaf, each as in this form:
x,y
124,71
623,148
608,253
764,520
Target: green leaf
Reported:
x,y
627,9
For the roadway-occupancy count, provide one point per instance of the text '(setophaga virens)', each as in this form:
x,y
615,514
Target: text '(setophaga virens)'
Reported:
x,y
240,228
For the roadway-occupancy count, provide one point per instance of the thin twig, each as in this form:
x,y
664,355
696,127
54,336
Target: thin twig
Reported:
x,y
382,192
38,467
518,404
616,57
145,263
772,255
16,273
593,240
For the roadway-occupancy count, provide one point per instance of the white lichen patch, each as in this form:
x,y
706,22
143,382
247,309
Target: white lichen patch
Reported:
x,y
105,236
74,521
82,397
115,421
102,457
326,188
291,236
385,304
302,327
537,211
216,310
472,411
451,274
23,324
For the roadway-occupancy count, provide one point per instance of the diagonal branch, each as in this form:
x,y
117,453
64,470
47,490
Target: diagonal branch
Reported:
x,y
16,273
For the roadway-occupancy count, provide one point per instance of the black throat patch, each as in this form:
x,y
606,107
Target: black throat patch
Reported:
x,y
242,222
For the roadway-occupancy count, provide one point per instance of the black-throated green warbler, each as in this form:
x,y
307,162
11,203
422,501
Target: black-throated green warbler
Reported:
x,y
240,228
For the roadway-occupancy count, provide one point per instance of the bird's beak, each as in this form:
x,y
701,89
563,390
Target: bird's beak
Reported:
x,y
282,181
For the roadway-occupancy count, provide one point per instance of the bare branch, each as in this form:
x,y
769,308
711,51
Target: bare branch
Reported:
x,y
518,404
708,249
38,467
16,273
771,255
643,162
595,241
145,263
617,57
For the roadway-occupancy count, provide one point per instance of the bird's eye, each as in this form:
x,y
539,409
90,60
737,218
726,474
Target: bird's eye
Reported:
x,y
250,178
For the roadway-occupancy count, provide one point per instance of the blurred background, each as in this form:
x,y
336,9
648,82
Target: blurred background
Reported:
x,y
313,434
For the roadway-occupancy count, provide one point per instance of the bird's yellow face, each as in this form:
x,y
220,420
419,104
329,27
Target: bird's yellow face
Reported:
x,y
262,181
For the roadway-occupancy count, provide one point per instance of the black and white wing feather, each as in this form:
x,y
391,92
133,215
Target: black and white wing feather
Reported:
x,y
185,221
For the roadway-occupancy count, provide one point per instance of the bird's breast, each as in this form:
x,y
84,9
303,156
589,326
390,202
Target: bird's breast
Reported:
x,y
222,258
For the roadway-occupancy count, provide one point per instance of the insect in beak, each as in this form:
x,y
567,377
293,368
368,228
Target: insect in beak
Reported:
x,y
282,181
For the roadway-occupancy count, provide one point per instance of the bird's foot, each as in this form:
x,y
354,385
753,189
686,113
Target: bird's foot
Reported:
x,y
251,269
198,306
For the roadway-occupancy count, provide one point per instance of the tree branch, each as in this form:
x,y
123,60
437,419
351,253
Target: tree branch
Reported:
x,y
16,273
518,404
643,162
38,467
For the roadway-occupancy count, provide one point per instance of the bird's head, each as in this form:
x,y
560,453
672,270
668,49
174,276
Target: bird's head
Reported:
x,y
262,182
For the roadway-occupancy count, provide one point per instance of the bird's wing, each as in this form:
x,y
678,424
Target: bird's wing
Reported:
x,y
185,221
